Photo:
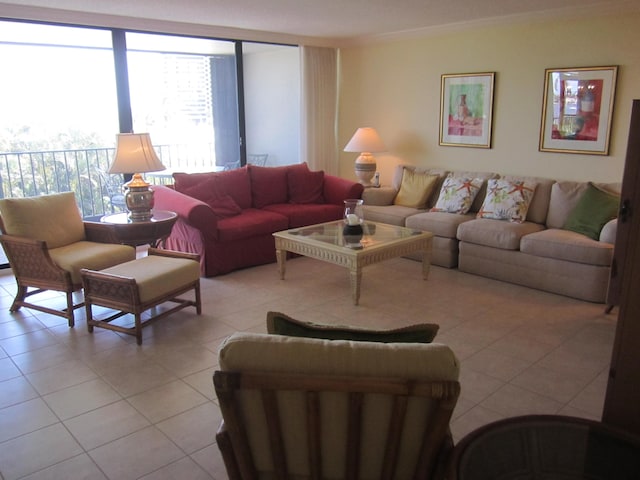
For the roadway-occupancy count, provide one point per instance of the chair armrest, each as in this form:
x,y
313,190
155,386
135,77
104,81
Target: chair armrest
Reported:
x,y
173,254
30,260
336,189
193,211
226,449
379,196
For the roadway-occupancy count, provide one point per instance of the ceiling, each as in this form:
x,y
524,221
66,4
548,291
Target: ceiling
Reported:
x,y
334,21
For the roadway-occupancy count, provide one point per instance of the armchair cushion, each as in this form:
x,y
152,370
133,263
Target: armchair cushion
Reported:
x,y
278,353
54,218
281,324
91,255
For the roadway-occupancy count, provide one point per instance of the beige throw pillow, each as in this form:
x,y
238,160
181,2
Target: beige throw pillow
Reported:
x,y
415,190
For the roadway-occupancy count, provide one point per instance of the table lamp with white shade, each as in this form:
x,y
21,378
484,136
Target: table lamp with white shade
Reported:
x,y
135,155
366,141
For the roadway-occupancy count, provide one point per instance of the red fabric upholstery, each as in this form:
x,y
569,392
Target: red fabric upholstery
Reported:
x,y
336,190
246,239
250,223
223,205
268,185
305,186
235,183
300,215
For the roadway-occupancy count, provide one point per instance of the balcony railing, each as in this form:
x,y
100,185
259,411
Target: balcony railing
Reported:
x,y
32,173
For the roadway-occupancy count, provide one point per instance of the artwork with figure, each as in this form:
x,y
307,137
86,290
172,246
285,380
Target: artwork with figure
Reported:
x,y
466,105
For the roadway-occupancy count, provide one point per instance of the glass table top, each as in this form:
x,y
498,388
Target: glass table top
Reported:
x,y
373,234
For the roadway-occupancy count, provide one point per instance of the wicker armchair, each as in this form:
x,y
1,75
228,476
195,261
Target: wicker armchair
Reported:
x,y
47,244
311,408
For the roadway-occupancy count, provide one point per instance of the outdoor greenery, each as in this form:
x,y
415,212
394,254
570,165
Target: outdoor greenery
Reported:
x,y
66,161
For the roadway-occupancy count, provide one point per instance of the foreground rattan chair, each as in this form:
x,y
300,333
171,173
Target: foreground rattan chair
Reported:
x,y
546,447
310,408
47,244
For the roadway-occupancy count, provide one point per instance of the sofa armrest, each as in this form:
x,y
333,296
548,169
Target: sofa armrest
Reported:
x,y
193,211
379,196
608,232
336,189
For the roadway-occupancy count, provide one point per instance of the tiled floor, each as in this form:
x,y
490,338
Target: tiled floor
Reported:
x,y
94,406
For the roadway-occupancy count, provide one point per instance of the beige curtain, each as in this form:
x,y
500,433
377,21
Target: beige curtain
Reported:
x,y
319,92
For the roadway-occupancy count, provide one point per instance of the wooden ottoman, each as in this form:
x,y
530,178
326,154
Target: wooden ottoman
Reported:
x,y
141,284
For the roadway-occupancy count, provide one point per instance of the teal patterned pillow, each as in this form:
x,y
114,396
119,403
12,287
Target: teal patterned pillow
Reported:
x,y
457,195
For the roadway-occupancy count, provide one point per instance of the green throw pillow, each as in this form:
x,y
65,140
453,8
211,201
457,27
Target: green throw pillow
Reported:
x,y
595,208
281,324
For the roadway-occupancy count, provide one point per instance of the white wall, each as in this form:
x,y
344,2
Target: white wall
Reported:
x,y
272,103
395,87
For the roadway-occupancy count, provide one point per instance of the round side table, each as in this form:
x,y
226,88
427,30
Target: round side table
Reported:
x,y
152,232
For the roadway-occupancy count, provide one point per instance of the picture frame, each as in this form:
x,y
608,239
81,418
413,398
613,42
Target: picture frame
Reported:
x,y
577,109
466,109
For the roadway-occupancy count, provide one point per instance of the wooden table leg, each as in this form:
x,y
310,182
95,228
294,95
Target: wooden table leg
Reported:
x,y
426,262
281,256
355,276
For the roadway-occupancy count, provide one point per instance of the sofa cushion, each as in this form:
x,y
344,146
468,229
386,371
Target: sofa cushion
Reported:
x,y
304,185
415,189
223,206
567,245
540,202
564,197
300,215
250,223
441,224
281,324
236,183
268,185
457,194
507,200
594,209
496,233
391,214
398,174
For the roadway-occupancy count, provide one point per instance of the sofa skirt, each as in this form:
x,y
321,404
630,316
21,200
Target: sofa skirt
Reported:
x,y
572,279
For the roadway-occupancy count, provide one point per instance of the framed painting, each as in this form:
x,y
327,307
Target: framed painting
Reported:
x,y
576,110
466,104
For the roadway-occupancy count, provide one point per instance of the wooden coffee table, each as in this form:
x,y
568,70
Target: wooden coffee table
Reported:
x,y
379,242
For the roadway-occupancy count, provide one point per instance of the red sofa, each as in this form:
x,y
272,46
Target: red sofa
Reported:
x,y
228,218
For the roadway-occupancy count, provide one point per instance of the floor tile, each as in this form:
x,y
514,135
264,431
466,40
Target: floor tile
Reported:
x,y
166,400
75,404
37,450
106,424
72,401
136,455
194,429
80,467
25,417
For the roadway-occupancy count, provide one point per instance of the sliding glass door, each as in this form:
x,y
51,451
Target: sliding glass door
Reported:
x,y
184,93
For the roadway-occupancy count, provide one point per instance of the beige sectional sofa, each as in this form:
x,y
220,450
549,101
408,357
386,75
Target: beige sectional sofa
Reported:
x,y
537,252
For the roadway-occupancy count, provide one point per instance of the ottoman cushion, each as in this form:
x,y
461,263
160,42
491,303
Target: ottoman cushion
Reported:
x,y
156,276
